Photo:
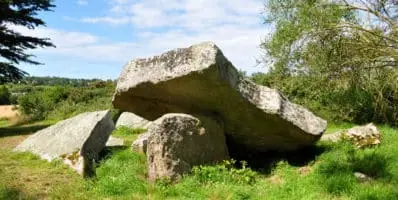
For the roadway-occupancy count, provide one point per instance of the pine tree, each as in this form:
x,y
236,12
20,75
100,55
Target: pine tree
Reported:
x,y
13,45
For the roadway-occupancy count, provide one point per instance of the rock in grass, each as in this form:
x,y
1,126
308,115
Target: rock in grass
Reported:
x,y
132,121
362,177
177,142
114,142
200,80
77,141
360,136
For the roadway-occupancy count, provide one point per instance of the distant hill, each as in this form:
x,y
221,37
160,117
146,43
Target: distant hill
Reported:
x,y
54,81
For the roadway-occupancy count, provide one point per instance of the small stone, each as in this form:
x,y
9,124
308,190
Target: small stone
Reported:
x,y
132,121
114,142
362,177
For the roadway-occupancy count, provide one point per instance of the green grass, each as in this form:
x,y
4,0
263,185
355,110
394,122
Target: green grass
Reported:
x,y
332,128
121,174
24,176
3,122
129,135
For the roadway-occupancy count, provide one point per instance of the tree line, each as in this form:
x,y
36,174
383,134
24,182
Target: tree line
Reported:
x,y
58,81
338,57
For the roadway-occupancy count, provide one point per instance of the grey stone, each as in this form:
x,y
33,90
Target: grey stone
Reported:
x,y
332,137
114,142
140,144
362,177
360,136
132,120
199,80
177,142
77,141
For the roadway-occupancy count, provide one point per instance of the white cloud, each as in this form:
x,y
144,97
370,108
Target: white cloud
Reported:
x,y
79,44
189,14
82,2
235,26
106,20
60,38
239,46
160,25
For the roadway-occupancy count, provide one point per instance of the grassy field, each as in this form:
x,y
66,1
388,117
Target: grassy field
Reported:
x,y
325,171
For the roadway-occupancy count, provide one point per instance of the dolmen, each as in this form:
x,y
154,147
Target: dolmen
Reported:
x,y
197,100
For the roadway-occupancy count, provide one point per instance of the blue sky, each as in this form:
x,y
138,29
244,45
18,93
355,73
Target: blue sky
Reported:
x,y
95,38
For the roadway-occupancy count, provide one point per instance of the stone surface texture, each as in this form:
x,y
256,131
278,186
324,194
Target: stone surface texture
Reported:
x,y
114,142
177,142
132,120
199,80
77,140
140,144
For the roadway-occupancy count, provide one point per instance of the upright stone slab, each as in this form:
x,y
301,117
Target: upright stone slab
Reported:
x,y
132,120
199,80
177,142
77,141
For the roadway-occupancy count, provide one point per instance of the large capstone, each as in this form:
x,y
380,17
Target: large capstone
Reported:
x,y
77,141
199,80
177,142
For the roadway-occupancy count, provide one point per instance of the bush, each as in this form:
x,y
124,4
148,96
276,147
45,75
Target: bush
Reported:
x,y
35,104
39,103
57,103
78,95
338,100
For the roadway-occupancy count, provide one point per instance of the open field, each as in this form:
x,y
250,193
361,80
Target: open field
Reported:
x,y
325,171
280,89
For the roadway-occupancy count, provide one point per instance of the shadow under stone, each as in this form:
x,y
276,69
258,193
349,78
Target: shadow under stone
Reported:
x,y
264,162
107,152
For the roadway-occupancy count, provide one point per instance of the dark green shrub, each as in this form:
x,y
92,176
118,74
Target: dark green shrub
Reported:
x,y
58,94
5,95
38,104
78,95
57,103
35,104
338,100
